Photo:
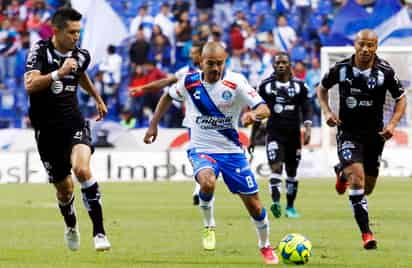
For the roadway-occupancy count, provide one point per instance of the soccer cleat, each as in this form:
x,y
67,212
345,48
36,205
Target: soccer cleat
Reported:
x,y
101,243
269,255
369,241
72,238
195,200
341,182
292,213
209,238
276,209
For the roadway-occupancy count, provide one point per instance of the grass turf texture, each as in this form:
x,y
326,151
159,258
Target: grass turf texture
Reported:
x,y
155,225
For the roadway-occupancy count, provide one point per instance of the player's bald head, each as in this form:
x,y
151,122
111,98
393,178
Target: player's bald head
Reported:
x,y
367,34
213,49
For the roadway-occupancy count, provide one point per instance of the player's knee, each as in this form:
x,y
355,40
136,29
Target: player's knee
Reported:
x,y
82,173
357,181
276,167
207,186
64,195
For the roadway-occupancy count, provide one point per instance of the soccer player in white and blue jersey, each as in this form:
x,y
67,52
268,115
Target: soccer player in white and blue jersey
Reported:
x,y
214,99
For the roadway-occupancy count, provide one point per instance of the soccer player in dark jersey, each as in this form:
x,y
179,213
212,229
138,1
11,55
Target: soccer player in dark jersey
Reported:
x,y
54,68
363,81
288,100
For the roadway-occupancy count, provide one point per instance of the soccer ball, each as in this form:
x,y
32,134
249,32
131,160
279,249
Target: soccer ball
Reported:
x,y
295,249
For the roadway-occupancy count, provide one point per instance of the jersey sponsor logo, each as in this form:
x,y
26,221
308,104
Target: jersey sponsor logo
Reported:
x,y
213,122
57,87
366,103
289,107
252,93
278,108
355,91
70,88
192,85
78,135
227,95
351,102
229,84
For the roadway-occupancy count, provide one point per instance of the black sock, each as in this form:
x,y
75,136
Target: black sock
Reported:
x,y
360,210
291,191
91,200
68,212
275,185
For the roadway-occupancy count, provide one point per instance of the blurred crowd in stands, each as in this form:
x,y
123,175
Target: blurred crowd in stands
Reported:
x,y
160,37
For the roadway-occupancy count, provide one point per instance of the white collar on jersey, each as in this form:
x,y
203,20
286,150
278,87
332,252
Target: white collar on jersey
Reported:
x,y
365,73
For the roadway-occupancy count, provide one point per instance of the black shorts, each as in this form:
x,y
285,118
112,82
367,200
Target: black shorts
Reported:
x,y
365,149
55,147
283,146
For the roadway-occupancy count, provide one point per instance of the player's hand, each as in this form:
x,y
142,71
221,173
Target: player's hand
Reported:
x,y
136,90
101,109
332,119
306,136
387,132
150,135
248,118
69,65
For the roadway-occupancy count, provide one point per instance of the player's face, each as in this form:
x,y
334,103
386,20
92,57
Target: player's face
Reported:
x,y
195,55
365,47
212,65
69,35
282,65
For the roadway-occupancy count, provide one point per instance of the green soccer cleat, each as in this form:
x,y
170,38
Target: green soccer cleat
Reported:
x,y
209,238
276,209
292,213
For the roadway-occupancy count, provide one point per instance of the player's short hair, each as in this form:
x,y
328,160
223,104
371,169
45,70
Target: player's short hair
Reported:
x,y
282,53
63,15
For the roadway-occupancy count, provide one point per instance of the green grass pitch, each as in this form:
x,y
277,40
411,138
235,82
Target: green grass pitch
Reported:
x,y
155,225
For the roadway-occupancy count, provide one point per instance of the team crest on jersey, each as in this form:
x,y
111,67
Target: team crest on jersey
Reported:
x,y
227,95
371,82
347,154
291,92
57,87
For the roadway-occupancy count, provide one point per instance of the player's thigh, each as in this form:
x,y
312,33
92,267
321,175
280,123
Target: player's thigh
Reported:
x,y
202,161
237,174
350,150
53,154
292,157
81,152
372,156
275,151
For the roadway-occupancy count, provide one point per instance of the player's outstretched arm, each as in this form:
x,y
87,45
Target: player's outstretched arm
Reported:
x,y
161,108
155,85
331,118
34,81
87,85
399,111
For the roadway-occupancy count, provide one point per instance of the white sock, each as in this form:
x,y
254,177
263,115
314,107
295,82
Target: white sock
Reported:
x,y
262,230
206,207
87,183
197,189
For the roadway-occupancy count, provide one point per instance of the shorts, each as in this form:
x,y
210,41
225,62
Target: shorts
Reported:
x,y
55,147
365,149
234,167
284,148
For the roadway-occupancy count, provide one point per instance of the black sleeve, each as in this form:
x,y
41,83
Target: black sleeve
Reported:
x,y
306,104
35,58
331,77
83,59
393,84
262,91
